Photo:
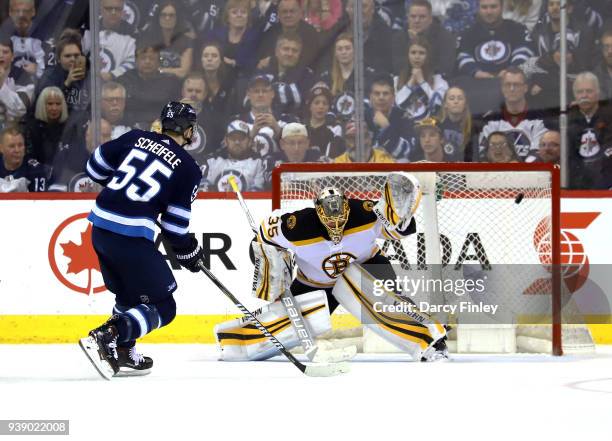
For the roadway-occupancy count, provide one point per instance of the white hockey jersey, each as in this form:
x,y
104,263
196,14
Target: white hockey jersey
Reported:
x,y
249,174
319,261
525,136
117,52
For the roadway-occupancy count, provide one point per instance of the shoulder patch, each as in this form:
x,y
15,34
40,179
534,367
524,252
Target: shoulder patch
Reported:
x,y
368,205
291,222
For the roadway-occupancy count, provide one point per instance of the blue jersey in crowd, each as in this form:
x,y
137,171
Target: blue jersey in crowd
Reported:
x,y
145,174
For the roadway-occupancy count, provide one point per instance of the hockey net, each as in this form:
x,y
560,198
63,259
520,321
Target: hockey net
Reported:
x,y
496,221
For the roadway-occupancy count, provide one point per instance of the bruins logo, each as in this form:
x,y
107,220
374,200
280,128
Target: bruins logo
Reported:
x,y
368,205
291,221
336,264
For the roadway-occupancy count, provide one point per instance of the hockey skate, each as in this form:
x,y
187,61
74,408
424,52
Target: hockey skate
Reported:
x,y
101,349
438,351
132,363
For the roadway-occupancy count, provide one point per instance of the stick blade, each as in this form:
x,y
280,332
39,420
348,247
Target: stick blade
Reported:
x,y
327,370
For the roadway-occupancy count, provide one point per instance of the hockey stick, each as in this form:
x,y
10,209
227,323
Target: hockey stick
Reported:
x,y
310,348
316,370
312,370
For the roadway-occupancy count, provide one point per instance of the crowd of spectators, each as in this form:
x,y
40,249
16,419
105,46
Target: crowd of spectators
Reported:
x,y
273,81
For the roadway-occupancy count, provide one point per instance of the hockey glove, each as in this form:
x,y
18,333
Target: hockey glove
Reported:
x,y
191,256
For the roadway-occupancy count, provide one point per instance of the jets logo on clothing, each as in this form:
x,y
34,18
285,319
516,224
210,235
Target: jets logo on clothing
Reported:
x,y
493,50
336,264
345,105
589,146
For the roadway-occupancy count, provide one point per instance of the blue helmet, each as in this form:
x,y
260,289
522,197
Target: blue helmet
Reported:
x,y
177,117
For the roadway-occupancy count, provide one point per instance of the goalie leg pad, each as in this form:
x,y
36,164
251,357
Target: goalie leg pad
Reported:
x,y
409,329
271,273
240,340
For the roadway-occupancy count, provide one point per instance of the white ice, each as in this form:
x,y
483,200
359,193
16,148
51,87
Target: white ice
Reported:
x,y
192,396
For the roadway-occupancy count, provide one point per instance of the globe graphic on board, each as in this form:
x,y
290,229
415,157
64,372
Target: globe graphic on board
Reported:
x,y
573,257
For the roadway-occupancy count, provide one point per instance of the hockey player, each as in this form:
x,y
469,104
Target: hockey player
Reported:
x,y
335,250
145,175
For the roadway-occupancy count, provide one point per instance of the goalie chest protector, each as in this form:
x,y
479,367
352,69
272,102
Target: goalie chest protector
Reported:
x,y
319,260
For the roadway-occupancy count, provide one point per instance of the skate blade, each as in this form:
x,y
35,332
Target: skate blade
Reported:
x,y
90,347
132,372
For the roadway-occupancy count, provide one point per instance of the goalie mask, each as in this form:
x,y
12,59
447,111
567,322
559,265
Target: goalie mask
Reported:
x,y
333,211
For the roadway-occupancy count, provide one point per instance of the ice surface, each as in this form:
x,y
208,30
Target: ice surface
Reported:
x,y
192,396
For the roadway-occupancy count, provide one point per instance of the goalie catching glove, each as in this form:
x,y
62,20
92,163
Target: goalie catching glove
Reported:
x,y
191,256
400,200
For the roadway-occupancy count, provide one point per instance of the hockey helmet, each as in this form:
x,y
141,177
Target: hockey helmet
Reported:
x,y
178,117
333,211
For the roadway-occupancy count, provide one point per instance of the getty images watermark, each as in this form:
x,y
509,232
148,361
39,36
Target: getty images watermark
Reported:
x,y
410,287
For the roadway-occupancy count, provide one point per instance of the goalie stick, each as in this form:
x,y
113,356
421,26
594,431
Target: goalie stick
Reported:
x,y
312,370
311,350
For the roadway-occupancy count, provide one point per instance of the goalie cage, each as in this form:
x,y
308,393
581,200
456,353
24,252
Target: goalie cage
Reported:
x,y
506,215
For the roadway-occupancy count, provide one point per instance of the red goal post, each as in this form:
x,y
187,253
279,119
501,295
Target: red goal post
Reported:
x,y
470,186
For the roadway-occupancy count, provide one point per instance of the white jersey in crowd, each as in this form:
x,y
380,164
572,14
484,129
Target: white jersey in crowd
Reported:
x,y
525,136
249,174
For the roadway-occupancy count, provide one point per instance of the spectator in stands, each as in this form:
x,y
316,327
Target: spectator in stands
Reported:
x,y
70,74
117,45
294,147
44,133
373,154
498,149
216,105
419,91
455,15
291,20
16,172
603,70
525,12
170,32
545,79
377,36
28,52
589,136
148,90
391,129
70,162
322,14
324,132
237,37
20,77
550,147
492,44
265,124
422,24
431,142
545,34
523,125
193,93
458,128
238,160
14,99
290,80
340,78
113,107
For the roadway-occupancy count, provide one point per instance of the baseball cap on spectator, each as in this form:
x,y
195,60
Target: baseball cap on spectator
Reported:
x,y
294,129
429,122
260,78
238,126
318,90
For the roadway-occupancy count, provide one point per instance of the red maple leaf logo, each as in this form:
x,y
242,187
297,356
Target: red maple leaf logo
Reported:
x,y
82,257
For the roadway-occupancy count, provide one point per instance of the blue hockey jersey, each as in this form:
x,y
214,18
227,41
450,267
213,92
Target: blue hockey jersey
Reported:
x,y
145,174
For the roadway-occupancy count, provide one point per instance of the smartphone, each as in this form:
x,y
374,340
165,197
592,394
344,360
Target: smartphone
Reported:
x,y
80,62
